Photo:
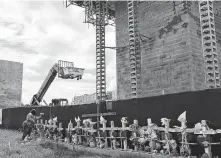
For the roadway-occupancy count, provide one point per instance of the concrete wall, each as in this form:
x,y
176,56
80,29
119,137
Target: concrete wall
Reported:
x,y
217,14
122,59
196,53
10,83
171,55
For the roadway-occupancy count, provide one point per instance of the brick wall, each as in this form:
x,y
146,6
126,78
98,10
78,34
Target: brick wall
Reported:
x,y
171,52
10,83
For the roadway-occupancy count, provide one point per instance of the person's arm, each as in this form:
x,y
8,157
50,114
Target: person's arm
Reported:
x,y
38,117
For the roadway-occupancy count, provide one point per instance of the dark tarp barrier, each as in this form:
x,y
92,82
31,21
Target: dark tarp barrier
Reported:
x,y
199,105
12,118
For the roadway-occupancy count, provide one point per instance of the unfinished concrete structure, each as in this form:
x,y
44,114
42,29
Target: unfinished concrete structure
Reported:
x,y
10,83
172,54
163,47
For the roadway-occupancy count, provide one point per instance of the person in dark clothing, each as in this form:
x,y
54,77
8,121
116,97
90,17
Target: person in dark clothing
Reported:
x,y
29,123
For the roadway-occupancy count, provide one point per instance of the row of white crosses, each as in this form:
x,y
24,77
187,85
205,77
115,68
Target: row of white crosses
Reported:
x,y
77,138
199,129
50,125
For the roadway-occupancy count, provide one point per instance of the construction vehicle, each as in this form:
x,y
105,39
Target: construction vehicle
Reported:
x,y
65,70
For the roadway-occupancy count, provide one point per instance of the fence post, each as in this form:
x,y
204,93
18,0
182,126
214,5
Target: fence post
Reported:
x,y
60,125
134,137
70,127
41,129
124,122
79,131
104,126
113,140
91,134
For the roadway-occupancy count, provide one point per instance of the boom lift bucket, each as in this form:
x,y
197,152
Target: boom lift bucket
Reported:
x,y
66,70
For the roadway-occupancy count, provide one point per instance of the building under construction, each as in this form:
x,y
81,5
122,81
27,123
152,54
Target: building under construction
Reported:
x,y
162,47
178,47
91,98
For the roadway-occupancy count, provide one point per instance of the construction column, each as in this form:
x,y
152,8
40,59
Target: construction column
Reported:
x,y
100,51
134,48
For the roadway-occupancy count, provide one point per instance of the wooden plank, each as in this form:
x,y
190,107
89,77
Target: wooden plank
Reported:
x,y
209,132
100,114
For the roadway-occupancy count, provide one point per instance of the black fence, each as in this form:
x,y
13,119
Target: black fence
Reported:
x,y
199,105
12,118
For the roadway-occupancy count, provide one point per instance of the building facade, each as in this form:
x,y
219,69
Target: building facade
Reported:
x,y
91,98
172,58
10,83
84,99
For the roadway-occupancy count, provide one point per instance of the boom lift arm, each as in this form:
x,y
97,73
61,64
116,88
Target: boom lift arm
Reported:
x,y
65,70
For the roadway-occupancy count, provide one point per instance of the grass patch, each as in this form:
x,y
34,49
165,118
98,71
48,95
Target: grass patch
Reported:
x,y
62,151
12,148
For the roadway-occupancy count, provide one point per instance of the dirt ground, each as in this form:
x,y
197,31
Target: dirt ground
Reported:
x,y
10,147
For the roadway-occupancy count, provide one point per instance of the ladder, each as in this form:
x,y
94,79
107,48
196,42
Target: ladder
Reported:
x,y
134,48
209,45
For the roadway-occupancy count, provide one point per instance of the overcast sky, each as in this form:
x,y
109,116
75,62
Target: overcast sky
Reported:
x,y
38,34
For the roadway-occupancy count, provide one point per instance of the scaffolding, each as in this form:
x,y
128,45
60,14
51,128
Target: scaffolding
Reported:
x,y
134,47
209,45
89,16
100,14
100,51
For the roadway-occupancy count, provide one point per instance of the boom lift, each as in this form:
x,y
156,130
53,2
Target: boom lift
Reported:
x,y
65,70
